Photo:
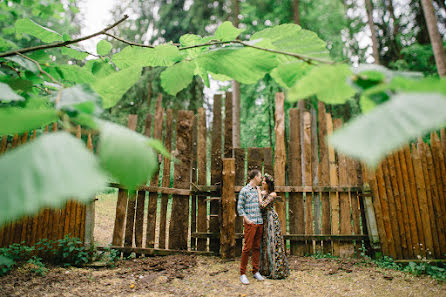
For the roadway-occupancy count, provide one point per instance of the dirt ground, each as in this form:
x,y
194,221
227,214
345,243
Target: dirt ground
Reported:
x,y
180,275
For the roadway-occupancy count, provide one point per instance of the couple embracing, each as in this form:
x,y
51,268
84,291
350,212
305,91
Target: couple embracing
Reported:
x,y
263,235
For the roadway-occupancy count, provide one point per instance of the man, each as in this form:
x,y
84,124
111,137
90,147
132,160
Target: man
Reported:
x,y
248,208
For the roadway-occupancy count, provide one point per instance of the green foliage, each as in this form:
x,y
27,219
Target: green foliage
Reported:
x,y
18,120
103,47
29,27
37,266
227,32
32,185
7,94
177,77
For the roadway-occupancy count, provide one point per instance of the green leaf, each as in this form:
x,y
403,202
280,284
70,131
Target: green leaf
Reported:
x,y
286,75
190,40
111,88
366,104
227,32
29,27
75,74
162,55
6,44
390,125
5,261
20,84
177,77
220,77
18,120
126,155
7,94
74,52
246,65
66,37
328,82
47,172
27,64
292,38
158,146
99,68
103,47
79,97
84,119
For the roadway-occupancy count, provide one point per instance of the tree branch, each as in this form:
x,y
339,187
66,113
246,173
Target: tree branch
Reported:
x,y
60,44
128,42
40,69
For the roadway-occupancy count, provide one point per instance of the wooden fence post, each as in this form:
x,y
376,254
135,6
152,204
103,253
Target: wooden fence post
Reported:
x,y
334,197
201,165
240,157
179,222
308,179
228,126
89,208
227,233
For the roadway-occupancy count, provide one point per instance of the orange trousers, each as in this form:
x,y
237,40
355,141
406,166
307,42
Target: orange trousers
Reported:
x,y
253,237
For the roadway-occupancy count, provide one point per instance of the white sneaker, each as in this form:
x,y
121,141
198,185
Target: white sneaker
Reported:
x,y
258,276
244,279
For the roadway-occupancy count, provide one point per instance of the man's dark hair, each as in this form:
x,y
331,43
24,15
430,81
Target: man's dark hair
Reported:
x,y
253,173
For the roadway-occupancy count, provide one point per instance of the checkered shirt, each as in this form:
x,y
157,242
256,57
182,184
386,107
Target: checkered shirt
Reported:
x,y
248,204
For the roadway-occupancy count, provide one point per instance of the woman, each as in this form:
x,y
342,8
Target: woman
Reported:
x,y
273,259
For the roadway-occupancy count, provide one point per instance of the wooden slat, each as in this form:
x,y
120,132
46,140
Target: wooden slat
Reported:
x,y
334,197
268,160
296,200
315,175
355,211
255,159
434,205
179,224
324,175
239,179
440,180
53,226
422,198
88,210
415,201
201,165
227,152
227,231
414,247
4,144
280,156
216,169
308,179
153,196
398,205
193,219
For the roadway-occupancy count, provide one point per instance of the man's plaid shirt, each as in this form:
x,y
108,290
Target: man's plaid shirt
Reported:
x,y
248,204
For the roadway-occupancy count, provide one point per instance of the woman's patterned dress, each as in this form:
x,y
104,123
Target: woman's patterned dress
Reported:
x,y
273,259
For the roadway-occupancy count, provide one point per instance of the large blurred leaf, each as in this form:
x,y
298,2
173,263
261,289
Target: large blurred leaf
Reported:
x,y
18,120
74,52
27,64
410,85
177,77
126,155
47,172
162,55
79,97
328,82
7,94
73,74
29,27
246,65
292,38
390,125
288,74
103,47
227,32
111,88
190,40
99,68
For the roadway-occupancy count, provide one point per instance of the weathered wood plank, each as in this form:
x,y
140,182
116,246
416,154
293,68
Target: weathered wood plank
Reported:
x,y
334,197
308,179
227,152
194,172
315,176
227,231
202,224
216,169
179,223
355,211
239,179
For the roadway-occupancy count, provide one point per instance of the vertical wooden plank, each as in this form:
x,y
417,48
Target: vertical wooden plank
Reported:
x,y
398,205
434,205
414,247
355,211
255,158
141,197
280,156
88,210
308,180
166,179
228,126
17,224
296,200
440,180
121,204
4,144
201,165
268,160
239,154
26,220
315,174
334,196
216,169
178,229
227,233
443,141
193,220
2,233
153,196
324,175
415,200
423,204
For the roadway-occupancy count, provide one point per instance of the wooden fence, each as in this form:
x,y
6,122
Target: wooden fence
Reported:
x,y
49,223
409,191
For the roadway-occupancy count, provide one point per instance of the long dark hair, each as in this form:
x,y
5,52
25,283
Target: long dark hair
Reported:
x,y
270,182
253,173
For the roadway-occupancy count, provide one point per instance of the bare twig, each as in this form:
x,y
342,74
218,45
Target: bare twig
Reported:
x,y
40,69
60,44
128,42
12,68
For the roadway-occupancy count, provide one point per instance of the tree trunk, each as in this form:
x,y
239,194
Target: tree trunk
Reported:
x,y
434,35
296,16
236,91
369,8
